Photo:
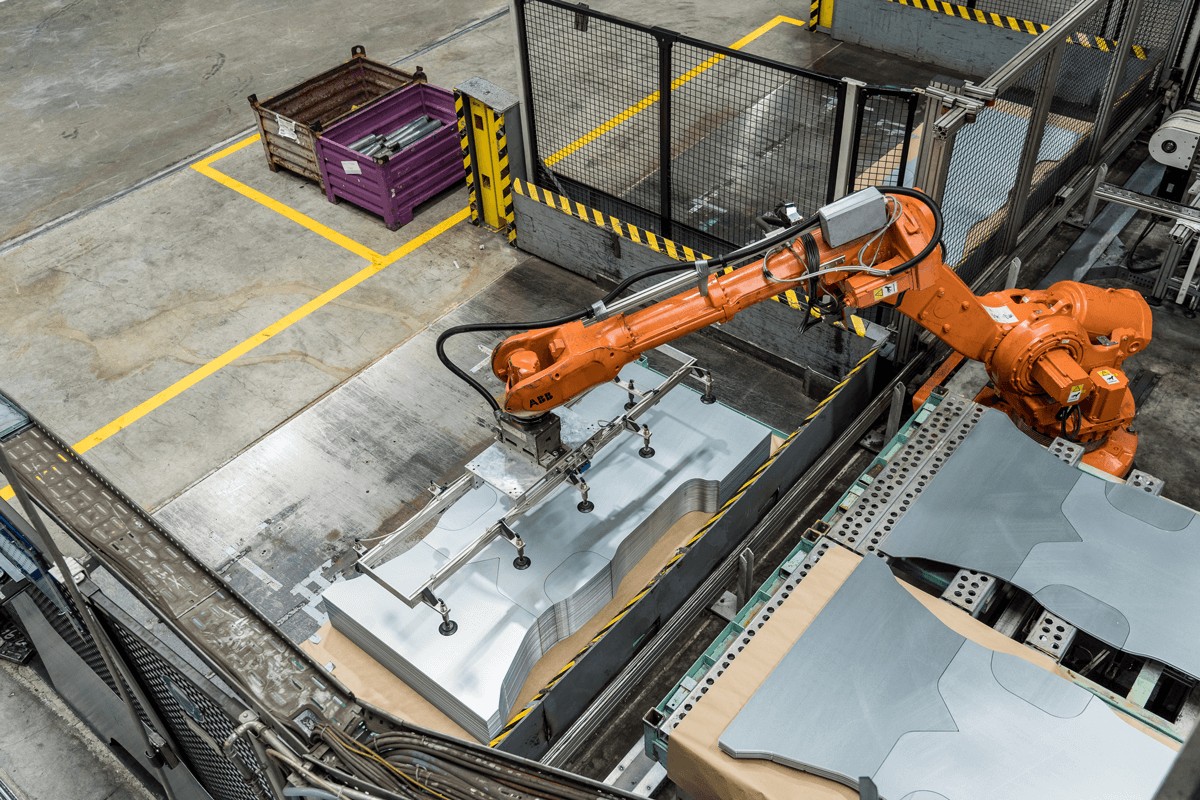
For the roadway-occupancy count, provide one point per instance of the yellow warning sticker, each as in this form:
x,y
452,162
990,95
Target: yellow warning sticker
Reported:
x,y
885,291
1108,377
1076,393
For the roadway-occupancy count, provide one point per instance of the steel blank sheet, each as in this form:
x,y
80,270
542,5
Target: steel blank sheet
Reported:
x,y
897,696
1110,559
507,617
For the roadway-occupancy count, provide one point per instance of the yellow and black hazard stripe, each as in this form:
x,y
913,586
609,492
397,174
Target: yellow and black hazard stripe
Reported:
x,y
505,181
460,112
814,15
679,554
1015,24
657,243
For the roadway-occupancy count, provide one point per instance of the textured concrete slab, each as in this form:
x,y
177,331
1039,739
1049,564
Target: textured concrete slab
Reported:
x,y
46,752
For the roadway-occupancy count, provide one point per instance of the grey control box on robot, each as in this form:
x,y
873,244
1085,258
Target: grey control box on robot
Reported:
x,y
853,217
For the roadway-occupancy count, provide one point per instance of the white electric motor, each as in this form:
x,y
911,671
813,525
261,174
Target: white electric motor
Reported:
x,y
1174,143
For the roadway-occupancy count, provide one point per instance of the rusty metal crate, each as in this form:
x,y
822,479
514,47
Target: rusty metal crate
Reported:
x,y
289,122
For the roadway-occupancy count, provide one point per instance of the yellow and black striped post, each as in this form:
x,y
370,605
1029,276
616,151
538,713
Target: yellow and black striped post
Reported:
x,y
504,190
488,126
460,111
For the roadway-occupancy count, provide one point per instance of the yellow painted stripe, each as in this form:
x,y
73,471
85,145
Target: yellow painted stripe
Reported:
x,y
652,98
265,335
324,231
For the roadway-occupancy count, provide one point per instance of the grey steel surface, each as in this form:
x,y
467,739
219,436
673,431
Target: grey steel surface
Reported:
x,y
898,697
1106,557
884,674
507,617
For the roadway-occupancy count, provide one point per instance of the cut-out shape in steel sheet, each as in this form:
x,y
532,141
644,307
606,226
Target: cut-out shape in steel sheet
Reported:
x,y
925,713
507,618
870,684
1111,560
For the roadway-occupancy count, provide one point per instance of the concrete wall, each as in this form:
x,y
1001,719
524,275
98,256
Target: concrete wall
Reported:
x,y
926,36
824,354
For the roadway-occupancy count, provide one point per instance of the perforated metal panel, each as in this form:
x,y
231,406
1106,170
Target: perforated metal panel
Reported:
x,y
198,722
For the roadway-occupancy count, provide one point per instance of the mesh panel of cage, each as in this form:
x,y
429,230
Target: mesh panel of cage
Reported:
x,y
983,173
1045,12
883,147
199,722
1071,121
1149,58
745,137
592,86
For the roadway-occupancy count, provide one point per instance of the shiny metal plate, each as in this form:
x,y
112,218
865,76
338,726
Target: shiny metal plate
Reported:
x,y
508,618
1106,557
879,687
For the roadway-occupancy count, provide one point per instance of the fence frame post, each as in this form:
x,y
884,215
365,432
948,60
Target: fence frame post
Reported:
x,y
847,144
1019,199
1133,16
666,212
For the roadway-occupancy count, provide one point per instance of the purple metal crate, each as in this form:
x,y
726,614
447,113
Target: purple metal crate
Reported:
x,y
393,187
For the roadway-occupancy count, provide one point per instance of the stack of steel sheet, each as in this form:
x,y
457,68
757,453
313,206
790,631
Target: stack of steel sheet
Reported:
x,y
895,695
508,618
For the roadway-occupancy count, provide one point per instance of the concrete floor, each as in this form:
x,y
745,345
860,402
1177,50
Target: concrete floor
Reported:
x,y
174,317
165,321
37,729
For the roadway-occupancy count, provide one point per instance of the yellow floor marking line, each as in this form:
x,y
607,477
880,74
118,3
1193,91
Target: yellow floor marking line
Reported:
x,y
204,167
377,265
652,98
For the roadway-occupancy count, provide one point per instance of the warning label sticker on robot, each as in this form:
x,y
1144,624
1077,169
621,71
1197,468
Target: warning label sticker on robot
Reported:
x,y
287,127
1002,314
885,291
1108,377
1076,393
351,168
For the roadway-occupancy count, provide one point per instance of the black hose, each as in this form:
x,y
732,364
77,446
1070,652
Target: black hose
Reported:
x,y
675,266
934,240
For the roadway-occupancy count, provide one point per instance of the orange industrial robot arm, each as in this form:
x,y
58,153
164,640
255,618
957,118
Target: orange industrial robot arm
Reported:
x,y
1054,355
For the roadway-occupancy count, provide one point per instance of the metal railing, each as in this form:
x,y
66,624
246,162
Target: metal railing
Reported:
x,y
689,139
1006,150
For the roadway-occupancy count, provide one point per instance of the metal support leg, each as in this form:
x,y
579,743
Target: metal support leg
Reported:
x,y
895,411
745,577
844,182
647,451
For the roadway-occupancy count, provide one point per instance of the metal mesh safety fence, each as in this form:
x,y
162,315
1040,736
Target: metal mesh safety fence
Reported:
x,y
883,146
1044,12
199,719
982,176
1150,42
687,139
1070,123
745,137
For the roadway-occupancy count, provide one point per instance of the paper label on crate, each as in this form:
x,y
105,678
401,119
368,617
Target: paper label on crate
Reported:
x,y
1002,314
886,291
351,168
287,127
1108,377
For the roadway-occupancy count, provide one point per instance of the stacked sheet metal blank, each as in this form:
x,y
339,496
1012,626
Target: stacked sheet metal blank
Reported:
x,y
509,618
898,697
